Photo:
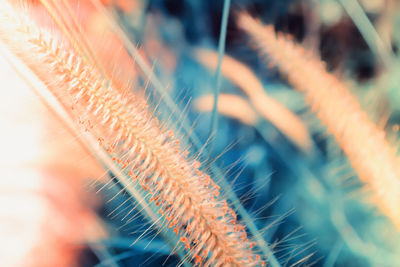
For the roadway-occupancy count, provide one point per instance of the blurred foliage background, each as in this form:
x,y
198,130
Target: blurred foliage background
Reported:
x,y
310,206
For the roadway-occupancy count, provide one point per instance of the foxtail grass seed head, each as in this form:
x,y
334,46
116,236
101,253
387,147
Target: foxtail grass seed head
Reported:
x,y
188,199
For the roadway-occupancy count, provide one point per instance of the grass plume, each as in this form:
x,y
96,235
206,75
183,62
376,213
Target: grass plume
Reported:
x,y
364,143
188,199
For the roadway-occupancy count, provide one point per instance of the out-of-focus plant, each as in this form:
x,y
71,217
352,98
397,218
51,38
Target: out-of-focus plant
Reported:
x,y
340,112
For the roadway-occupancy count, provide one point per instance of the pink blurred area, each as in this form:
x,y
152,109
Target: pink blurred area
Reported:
x,y
45,213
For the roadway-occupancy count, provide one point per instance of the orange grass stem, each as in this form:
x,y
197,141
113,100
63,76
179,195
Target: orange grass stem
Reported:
x,y
229,105
270,109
